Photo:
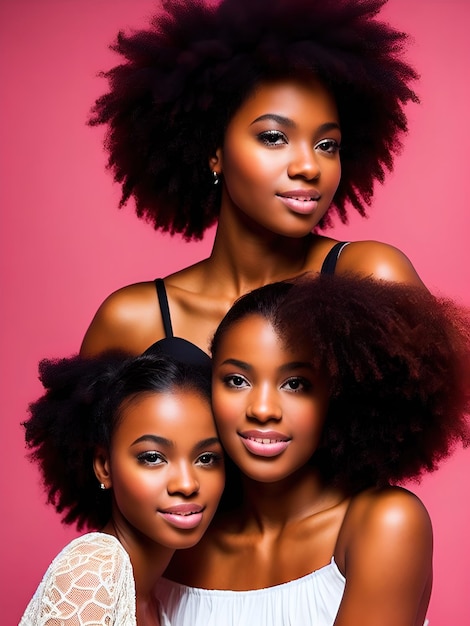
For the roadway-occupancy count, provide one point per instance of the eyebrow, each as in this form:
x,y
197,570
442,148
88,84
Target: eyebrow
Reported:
x,y
205,443
162,441
287,366
297,365
155,439
280,119
286,121
241,364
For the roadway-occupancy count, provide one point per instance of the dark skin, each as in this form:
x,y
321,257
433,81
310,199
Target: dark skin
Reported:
x,y
154,463
394,587
291,522
281,143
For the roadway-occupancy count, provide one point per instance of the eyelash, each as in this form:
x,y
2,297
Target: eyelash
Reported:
x,y
214,459
149,458
304,384
229,381
332,146
273,137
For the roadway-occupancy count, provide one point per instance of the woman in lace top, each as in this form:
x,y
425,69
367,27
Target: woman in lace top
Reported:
x,y
326,394
127,447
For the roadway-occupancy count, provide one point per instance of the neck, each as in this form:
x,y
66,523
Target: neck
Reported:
x,y
302,494
149,559
147,611
245,256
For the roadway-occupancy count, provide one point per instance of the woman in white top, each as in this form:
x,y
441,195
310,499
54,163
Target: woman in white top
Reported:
x,y
128,448
326,395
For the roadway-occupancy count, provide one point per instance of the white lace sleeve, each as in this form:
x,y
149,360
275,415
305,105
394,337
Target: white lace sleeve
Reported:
x,y
90,583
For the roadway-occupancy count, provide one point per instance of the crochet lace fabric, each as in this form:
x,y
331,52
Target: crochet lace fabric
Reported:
x,y
89,583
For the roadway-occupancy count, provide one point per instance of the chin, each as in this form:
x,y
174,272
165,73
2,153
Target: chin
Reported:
x,y
182,543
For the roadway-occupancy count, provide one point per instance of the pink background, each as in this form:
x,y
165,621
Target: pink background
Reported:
x,y
64,245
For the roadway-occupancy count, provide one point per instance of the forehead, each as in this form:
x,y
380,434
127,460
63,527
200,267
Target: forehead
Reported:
x,y
166,415
255,339
297,98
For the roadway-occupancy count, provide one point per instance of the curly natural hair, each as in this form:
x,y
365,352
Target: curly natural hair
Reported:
x,y
397,359
79,412
184,77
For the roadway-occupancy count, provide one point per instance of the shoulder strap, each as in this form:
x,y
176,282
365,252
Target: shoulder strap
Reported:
x,y
329,264
164,308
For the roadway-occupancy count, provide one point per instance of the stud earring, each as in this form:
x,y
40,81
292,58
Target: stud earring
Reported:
x,y
102,486
216,178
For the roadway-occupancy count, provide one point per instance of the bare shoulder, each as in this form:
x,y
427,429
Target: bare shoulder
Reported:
x,y
385,553
128,319
388,511
377,259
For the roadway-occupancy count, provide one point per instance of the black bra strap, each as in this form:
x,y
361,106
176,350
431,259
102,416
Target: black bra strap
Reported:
x,y
164,308
329,264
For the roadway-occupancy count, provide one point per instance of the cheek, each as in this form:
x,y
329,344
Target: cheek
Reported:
x,y
247,167
335,173
227,421
227,408
306,415
310,423
212,484
132,485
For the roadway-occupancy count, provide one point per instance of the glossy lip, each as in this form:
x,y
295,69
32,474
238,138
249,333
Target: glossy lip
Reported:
x,y
300,201
266,443
184,516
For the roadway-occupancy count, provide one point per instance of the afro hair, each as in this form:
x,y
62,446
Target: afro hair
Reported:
x,y
182,79
79,412
397,359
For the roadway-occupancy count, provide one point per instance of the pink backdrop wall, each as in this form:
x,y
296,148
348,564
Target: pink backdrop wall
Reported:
x,y
64,245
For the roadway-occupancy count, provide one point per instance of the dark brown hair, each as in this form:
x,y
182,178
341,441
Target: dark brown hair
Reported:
x,y
181,80
397,359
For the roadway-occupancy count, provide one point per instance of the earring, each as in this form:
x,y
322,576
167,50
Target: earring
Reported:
x,y
216,178
102,486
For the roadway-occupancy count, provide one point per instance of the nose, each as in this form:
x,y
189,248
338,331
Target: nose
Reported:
x,y
264,405
183,480
304,162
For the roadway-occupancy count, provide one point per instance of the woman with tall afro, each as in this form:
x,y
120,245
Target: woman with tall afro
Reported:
x,y
268,118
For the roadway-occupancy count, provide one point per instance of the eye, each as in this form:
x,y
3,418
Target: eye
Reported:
x,y
272,138
296,384
329,146
209,459
151,457
235,381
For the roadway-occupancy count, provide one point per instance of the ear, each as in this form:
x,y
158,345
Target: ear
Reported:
x,y
215,162
102,469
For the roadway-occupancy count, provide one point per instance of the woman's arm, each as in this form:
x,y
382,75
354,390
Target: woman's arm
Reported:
x,y
385,553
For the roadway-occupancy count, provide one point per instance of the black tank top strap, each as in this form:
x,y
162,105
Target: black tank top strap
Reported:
x,y
164,308
329,264
176,347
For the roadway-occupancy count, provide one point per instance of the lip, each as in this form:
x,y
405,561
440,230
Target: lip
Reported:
x,y
300,201
265,443
184,516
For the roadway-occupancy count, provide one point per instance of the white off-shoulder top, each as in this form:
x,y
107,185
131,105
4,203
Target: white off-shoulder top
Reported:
x,y
313,599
